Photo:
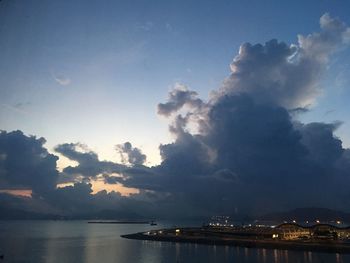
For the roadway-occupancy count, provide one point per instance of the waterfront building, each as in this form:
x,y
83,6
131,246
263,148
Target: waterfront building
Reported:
x,y
292,231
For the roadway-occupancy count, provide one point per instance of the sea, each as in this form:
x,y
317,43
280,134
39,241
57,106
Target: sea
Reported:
x,y
78,241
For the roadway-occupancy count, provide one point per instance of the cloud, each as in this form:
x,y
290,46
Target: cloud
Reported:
x,y
318,46
130,154
252,158
324,148
25,163
180,96
287,75
88,162
61,79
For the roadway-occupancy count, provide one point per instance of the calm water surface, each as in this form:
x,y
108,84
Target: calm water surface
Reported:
x,y
77,241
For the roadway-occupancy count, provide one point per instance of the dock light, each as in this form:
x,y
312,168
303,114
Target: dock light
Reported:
x,y
160,232
317,221
338,222
294,221
177,231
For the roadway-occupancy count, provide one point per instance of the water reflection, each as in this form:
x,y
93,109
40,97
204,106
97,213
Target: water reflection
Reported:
x,y
246,252
286,256
264,254
51,242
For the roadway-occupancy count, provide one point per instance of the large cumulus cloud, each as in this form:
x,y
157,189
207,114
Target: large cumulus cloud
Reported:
x,y
252,158
248,153
287,75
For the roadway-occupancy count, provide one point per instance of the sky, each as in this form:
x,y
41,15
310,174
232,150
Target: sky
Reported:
x,y
105,83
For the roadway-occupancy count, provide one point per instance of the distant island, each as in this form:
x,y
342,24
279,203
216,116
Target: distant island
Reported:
x,y
123,222
291,236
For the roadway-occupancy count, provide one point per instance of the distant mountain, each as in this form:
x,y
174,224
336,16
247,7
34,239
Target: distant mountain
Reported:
x,y
17,214
310,214
7,213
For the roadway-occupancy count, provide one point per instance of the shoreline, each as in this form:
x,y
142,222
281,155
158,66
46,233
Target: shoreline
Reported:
x,y
313,246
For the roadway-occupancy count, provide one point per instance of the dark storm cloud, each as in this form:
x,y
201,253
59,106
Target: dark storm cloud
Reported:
x,y
249,138
252,158
133,154
321,143
25,163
